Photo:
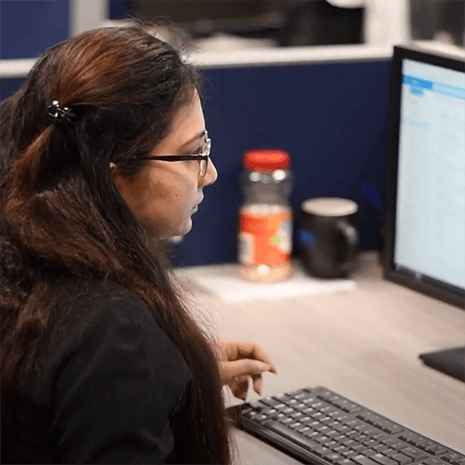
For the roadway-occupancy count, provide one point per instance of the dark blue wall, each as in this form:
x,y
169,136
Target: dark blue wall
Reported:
x,y
28,27
119,9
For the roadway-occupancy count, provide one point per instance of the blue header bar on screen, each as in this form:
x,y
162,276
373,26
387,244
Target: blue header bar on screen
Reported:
x,y
418,86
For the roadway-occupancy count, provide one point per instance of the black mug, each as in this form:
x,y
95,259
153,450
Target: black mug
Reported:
x,y
328,237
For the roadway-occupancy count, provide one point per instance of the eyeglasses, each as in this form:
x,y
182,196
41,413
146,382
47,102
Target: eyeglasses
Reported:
x,y
202,158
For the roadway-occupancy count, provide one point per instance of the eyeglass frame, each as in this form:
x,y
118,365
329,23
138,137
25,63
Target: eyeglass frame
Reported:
x,y
204,156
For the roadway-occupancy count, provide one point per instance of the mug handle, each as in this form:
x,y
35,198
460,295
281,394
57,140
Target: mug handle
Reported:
x,y
350,235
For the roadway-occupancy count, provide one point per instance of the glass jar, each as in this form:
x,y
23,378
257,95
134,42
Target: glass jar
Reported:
x,y
266,217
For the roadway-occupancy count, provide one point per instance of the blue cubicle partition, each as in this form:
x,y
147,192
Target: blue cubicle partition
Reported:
x,y
28,27
332,118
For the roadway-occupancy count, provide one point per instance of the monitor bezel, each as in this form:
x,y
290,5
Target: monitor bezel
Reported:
x,y
425,286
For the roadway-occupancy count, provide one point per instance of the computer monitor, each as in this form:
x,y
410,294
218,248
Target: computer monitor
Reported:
x,y
425,223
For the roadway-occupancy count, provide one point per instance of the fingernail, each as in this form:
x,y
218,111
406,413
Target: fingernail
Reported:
x,y
265,367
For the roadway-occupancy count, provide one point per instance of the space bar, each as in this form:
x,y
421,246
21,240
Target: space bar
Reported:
x,y
288,433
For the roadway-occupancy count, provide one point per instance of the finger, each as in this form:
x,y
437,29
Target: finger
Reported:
x,y
240,387
258,384
249,349
243,367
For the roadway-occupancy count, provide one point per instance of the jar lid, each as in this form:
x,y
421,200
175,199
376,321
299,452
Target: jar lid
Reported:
x,y
266,160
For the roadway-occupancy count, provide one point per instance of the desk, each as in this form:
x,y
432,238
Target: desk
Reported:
x,y
363,344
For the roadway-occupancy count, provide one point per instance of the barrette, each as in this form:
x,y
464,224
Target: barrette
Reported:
x,y
57,113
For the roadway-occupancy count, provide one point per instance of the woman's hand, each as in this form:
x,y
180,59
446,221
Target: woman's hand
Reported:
x,y
240,359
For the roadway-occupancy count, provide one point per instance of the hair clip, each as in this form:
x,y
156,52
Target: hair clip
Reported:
x,y
58,114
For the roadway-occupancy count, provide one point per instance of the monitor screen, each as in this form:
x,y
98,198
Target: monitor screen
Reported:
x,y
425,247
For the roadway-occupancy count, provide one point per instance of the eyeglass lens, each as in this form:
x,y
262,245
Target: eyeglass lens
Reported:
x,y
204,163
203,167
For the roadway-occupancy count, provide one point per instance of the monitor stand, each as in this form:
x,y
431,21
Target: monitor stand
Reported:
x,y
449,361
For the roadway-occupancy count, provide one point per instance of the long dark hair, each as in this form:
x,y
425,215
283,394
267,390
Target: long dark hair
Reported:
x,y
62,217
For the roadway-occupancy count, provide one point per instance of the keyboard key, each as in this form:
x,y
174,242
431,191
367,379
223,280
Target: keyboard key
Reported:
x,y
333,458
358,447
321,451
316,405
409,437
341,449
423,443
397,445
374,433
271,402
413,452
302,441
453,458
363,460
303,429
432,461
349,442
295,425
284,398
380,448
436,449
402,459
286,421
311,423
370,442
325,420
346,462
388,441
382,459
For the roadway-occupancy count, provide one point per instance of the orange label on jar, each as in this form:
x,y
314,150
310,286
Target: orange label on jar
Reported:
x,y
265,239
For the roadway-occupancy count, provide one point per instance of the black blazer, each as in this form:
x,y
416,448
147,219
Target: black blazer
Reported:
x,y
113,386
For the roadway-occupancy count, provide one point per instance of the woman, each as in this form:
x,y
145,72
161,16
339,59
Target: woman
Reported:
x,y
102,360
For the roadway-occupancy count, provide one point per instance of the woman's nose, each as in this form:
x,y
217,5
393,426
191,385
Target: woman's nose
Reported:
x,y
212,174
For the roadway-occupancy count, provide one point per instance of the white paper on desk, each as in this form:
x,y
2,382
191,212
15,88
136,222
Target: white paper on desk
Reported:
x,y
225,283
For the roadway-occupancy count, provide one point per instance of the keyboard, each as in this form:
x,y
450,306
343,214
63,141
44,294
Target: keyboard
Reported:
x,y
320,427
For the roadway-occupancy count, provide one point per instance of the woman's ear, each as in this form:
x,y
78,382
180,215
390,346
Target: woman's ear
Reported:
x,y
112,166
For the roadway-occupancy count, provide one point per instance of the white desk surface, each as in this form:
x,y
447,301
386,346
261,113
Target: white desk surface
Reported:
x,y
362,343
